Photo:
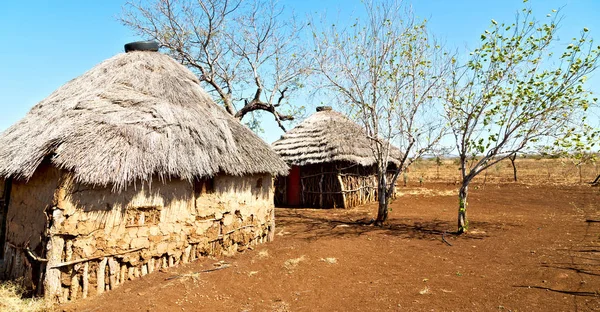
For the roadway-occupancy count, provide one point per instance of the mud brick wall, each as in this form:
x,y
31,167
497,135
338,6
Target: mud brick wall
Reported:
x,y
95,239
26,225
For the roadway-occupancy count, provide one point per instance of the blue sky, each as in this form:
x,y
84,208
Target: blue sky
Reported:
x,y
47,43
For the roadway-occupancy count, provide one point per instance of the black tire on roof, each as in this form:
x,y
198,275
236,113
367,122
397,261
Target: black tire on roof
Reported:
x,y
142,46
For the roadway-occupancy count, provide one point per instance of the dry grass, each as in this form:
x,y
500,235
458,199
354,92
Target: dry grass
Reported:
x,y
263,254
290,264
11,300
529,171
426,192
329,260
425,291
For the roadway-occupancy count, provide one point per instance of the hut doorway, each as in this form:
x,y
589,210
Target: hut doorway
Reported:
x,y
5,187
293,187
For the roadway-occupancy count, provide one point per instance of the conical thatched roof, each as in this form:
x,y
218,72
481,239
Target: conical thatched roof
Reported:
x,y
132,116
328,136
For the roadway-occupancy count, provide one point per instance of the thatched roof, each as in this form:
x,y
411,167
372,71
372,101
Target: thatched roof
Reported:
x,y
328,136
132,116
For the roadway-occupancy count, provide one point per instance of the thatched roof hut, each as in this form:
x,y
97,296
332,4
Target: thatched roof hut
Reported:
x,y
333,163
133,116
129,168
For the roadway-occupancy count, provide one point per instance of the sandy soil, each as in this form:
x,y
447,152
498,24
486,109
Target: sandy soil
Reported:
x,y
529,249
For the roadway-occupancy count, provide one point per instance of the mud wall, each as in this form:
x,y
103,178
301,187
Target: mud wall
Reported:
x,y
26,223
99,239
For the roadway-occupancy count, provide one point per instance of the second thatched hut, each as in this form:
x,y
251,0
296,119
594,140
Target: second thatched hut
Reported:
x,y
332,163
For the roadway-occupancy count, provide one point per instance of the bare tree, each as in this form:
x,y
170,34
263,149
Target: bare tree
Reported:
x,y
387,72
245,52
513,92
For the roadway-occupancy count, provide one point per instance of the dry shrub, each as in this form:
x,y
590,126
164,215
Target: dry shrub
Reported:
x,y
263,254
11,299
530,170
290,264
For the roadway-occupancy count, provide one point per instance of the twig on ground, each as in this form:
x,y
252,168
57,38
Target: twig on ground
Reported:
x,y
196,273
444,239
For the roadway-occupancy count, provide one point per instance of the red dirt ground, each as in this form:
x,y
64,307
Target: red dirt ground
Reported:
x,y
529,249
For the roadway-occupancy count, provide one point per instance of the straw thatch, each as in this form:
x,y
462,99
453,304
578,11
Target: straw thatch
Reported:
x,y
134,115
328,136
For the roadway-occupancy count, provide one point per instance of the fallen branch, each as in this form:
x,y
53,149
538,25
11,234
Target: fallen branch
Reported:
x,y
193,274
220,237
94,258
592,220
444,239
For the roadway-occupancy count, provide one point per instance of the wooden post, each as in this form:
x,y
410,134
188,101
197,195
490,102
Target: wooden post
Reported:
x,y
271,228
75,281
54,250
186,254
113,270
73,271
321,187
85,277
101,275
151,265
65,295
193,252
361,190
344,205
131,273
158,264
123,273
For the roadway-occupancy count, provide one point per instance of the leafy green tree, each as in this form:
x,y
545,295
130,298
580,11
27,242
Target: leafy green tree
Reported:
x,y
514,91
386,71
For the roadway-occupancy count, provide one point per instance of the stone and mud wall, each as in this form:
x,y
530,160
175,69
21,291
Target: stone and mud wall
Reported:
x,y
26,226
96,239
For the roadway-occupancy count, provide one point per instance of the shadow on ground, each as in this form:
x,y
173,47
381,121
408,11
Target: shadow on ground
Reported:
x,y
313,224
567,292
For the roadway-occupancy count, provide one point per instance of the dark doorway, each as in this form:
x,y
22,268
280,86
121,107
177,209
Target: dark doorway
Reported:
x,y
294,187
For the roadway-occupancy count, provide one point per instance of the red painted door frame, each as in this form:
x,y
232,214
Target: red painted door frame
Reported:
x,y
294,187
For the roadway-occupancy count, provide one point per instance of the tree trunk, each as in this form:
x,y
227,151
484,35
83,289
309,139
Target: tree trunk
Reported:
x,y
512,161
382,212
463,223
